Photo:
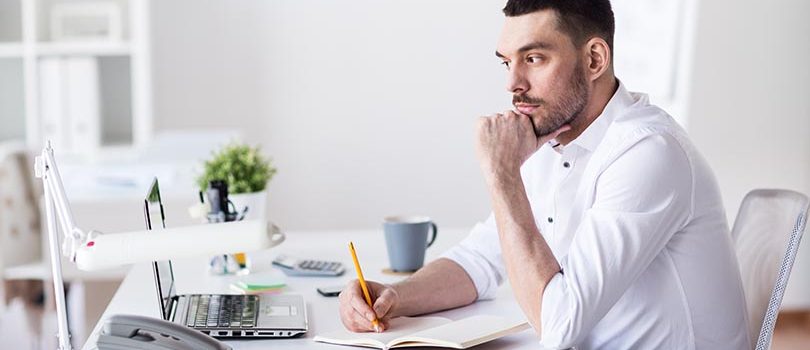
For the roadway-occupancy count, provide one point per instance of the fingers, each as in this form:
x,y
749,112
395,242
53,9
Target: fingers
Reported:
x,y
355,313
361,307
504,141
385,323
361,323
497,127
524,120
504,120
355,322
385,303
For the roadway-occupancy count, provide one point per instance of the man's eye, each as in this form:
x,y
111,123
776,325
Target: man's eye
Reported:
x,y
534,59
506,64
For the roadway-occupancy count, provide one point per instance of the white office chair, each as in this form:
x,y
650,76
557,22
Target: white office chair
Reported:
x,y
766,235
20,238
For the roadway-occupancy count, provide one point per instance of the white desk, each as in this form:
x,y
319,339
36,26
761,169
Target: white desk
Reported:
x,y
137,293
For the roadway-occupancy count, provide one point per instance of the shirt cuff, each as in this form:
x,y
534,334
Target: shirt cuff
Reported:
x,y
554,313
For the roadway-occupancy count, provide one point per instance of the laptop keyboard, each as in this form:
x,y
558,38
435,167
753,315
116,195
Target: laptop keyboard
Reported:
x,y
222,311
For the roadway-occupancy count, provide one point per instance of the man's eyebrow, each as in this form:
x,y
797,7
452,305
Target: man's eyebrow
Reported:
x,y
542,45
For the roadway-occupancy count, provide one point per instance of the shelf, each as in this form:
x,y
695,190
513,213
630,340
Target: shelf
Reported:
x,y
48,84
84,48
10,50
15,50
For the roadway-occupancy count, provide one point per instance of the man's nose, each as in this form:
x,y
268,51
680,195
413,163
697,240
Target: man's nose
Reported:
x,y
516,82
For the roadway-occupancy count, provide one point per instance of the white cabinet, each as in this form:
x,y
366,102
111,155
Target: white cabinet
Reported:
x,y
75,72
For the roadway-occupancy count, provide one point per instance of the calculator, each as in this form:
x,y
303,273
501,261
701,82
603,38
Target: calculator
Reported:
x,y
293,266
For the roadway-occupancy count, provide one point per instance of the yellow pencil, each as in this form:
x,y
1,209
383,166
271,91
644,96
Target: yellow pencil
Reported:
x,y
363,285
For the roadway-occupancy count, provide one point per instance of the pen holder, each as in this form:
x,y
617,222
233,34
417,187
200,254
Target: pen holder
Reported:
x,y
227,264
217,205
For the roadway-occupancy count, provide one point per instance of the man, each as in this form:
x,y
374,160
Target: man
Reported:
x,y
606,221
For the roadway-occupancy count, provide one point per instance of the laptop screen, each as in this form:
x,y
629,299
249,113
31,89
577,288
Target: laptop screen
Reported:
x,y
164,277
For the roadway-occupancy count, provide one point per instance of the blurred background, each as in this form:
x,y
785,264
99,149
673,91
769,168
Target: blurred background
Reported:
x,y
365,107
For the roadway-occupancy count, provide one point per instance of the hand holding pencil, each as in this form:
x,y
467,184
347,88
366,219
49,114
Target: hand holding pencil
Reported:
x,y
366,306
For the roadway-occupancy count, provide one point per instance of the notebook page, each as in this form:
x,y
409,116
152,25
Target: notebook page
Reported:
x,y
399,327
469,331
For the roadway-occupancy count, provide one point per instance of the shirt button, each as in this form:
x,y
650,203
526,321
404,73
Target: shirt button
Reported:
x,y
550,220
567,164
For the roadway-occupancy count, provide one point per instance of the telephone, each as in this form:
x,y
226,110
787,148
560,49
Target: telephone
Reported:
x,y
146,333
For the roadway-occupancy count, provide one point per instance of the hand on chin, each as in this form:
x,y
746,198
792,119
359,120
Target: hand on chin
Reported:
x,y
506,140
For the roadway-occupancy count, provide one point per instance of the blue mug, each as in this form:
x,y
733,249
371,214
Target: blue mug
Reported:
x,y
406,238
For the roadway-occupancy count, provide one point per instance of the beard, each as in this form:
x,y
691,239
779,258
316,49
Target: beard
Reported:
x,y
551,116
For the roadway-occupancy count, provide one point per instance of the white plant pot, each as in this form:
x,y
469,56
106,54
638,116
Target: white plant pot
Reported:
x,y
256,203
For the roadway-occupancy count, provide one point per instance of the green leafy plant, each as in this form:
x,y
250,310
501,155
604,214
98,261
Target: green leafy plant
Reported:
x,y
242,167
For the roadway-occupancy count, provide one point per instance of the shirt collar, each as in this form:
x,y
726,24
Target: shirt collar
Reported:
x,y
593,134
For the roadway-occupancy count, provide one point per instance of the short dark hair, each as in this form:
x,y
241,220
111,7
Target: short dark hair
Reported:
x,y
580,19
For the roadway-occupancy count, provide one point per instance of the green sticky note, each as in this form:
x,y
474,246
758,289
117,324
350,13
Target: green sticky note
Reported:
x,y
260,286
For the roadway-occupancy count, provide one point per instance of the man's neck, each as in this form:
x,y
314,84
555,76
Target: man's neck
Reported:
x,y
602,93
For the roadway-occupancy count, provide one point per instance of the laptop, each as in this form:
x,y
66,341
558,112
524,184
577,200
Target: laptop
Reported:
x,y
222,315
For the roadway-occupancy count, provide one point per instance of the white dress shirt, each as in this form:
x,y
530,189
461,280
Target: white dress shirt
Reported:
x,y
634,217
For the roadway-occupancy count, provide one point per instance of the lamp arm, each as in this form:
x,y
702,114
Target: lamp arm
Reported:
x,y
46,169
56,209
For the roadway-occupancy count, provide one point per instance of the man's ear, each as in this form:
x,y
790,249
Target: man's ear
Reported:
x,y
598,57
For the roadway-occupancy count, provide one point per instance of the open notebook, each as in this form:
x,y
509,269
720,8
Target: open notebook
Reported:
x,y
430,331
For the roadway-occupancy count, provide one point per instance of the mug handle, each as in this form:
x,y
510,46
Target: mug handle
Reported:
x,y
435,230
276,235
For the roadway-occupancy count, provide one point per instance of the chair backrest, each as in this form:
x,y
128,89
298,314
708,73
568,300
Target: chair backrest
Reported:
x,y
766,233
20,237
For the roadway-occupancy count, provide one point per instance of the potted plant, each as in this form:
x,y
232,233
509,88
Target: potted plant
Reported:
x,y
245,171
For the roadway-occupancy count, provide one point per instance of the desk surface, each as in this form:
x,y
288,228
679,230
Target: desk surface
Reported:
x,y
136,295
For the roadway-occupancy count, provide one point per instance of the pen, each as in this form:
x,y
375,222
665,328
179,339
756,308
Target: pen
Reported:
x,y
363,285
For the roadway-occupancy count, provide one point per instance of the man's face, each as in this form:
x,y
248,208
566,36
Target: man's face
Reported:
x,y
546,76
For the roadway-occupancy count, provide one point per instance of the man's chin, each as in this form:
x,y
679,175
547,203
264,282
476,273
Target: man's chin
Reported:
x,y
540,126
545,130
542,133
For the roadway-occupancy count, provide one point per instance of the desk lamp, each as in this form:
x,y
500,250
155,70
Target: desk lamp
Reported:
x,y
92,250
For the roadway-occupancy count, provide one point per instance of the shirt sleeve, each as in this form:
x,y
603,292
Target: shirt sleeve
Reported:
x,y
641,199
480,256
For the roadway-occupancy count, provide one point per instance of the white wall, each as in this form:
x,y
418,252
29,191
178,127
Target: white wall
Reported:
x,y
209,64
367,107
750,111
